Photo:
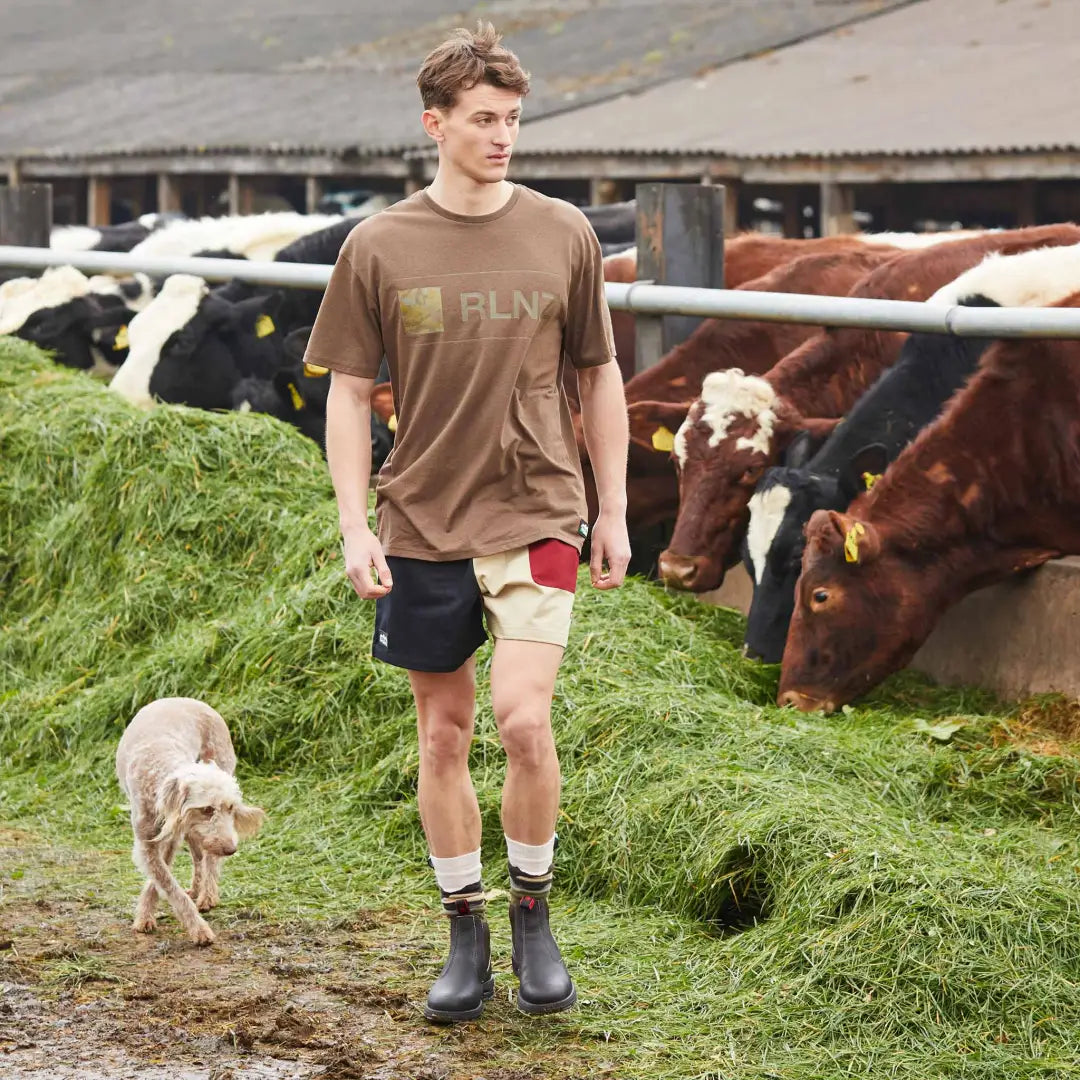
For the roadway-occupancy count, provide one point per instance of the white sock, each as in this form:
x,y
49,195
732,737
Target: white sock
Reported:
x,y
532,859
455,873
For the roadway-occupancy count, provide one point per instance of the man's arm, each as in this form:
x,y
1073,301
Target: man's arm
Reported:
x,y
603,418
348,454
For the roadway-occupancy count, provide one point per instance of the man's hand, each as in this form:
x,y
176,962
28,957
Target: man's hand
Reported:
x,y
362,553
611,545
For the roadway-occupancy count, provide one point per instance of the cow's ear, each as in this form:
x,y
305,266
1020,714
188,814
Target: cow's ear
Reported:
x,y
800,450
259,314
864,469
653,424
287,385
296,343
382,404
857,540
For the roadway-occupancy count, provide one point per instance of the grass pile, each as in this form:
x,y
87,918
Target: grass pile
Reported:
x,y
743,891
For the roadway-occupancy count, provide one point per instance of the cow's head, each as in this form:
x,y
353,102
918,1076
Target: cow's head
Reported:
x,y
190,346
861,611
731,434
785,500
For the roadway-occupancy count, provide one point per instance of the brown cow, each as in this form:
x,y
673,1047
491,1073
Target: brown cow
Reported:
x,y
991,488
742,423
658,399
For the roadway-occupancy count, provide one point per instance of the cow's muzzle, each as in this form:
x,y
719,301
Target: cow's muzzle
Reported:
x,y
692,573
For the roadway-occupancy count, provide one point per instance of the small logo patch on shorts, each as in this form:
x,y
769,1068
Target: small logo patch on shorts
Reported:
x,y
384,639
583,530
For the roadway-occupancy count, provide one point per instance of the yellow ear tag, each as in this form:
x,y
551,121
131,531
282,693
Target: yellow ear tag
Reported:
x,y
264,326
392,422
297,400
851,542
663,440
870,479
121,340
314,371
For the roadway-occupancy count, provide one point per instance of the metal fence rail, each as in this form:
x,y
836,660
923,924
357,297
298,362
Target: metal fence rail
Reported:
x,y
640,297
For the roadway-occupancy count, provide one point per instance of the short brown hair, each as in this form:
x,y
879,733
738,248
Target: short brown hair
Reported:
x,y
465,59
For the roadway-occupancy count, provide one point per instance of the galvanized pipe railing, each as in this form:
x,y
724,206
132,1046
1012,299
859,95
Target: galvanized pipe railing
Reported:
x,y
639,297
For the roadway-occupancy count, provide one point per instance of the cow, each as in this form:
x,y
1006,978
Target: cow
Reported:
x,y
658,398
742,423
80,320
907,397
297,393
989,489
236,330
258,237
613,223
190,347
122,237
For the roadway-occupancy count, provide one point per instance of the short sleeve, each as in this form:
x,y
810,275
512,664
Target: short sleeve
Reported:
x,y
587,338
347,335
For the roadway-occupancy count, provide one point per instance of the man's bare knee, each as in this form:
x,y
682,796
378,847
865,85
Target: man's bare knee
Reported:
x,y
526,737
445,736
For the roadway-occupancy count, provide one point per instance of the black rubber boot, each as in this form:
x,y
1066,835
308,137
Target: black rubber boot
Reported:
x,y
546,986
466,981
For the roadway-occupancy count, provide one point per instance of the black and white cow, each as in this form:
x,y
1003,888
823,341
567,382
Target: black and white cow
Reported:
x,y
613,223
192,347
903,401
297,393
198,344
81,320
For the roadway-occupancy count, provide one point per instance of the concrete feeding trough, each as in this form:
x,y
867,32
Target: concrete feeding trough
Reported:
x,y
1019,637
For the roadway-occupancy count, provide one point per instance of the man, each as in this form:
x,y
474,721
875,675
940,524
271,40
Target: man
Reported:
x,y
479,291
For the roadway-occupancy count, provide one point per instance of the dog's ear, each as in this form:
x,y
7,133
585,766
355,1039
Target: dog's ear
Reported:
x,y
248,820
170,806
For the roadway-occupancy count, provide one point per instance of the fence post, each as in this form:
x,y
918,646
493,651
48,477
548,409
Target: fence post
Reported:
x,y
26,215
680,241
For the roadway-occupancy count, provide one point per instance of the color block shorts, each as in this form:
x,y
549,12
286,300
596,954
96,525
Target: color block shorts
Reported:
x,y
433,618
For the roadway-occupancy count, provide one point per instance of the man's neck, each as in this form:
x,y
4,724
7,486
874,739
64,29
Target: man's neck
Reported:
x,y
460,195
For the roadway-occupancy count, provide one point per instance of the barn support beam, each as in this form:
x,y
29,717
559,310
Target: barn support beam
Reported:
x,y
168,193
26,215
603,191
1027,203
98,198
680,241
313,193
14,173
837,209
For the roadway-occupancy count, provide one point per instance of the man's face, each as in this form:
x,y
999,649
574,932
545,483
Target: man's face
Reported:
x,y
477,135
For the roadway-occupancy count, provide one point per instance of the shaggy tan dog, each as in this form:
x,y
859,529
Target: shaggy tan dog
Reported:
x,y
175,762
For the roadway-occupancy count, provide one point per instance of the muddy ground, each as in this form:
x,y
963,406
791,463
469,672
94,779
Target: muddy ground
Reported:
x,y
83,996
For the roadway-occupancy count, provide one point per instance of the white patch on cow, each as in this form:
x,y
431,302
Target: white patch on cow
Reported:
x,y
73,238
101,365
173,307
916,241
254,236
56,286
767,510
16,287
245,406
142,299
1036,278
726,395
104,285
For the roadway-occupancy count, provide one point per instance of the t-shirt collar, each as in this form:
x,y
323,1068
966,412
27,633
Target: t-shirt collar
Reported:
x,y
471,219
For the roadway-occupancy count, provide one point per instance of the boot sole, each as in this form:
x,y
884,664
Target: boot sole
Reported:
x,y
542,1008
441,1016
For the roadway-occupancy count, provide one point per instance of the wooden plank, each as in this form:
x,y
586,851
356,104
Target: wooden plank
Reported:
x,y
168,193
98,201
837,209
26,215
313,193
680,241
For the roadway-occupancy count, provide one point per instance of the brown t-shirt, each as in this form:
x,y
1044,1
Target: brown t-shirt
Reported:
x,y
477,316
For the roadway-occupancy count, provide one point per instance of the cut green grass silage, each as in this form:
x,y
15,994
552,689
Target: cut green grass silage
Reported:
x,y
743,891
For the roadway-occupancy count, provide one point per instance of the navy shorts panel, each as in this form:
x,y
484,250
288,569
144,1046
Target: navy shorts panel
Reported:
x,y
433,617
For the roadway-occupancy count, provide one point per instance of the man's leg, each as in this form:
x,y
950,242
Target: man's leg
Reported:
x,y
445,706
522,685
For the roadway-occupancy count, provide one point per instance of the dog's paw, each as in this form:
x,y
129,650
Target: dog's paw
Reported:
x,y
144,925
202,934
206,900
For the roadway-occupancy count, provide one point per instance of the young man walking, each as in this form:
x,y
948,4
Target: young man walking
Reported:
x,y
478,291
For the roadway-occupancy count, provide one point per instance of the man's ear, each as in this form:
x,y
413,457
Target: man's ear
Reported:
x,y
433,120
